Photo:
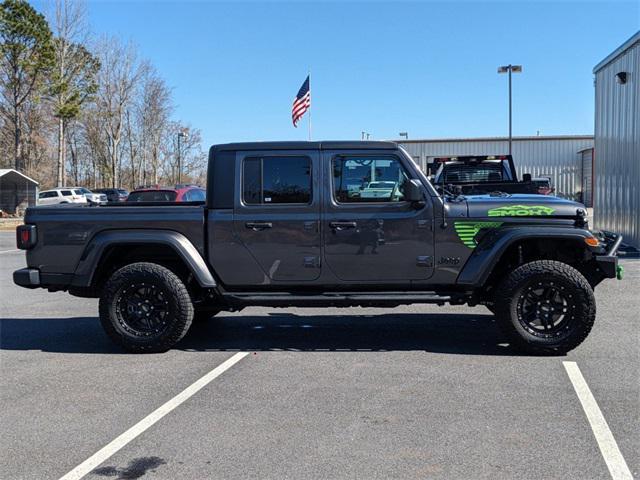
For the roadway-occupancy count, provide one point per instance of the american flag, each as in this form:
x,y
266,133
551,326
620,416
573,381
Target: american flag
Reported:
x,y
301,103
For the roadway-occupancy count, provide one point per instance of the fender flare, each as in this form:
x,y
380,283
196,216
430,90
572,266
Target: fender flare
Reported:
x,y
187,252
491,248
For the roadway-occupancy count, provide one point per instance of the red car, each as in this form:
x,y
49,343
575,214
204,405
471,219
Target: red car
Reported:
x,y
179,193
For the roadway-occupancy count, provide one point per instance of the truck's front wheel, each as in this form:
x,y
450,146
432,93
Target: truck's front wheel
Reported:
x,y
545,307
145,307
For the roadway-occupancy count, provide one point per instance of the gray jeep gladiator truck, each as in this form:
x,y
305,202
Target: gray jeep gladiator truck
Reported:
x,y
313,224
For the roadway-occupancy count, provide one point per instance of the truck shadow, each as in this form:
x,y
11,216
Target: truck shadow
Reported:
x,y
469,334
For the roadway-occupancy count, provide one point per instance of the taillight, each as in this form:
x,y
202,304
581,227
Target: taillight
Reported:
x,y
26,236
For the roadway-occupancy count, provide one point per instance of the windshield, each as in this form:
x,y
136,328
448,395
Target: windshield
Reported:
x,y
153,196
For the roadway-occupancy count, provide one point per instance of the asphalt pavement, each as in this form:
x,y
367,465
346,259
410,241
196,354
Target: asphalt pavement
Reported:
x,y
409,392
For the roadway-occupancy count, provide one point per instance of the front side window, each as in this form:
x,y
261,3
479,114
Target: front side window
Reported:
x,y
368,179
66,193
269,180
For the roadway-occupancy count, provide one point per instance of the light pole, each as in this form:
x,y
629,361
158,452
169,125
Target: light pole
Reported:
x,y
508,69
405,135
180,135
365,135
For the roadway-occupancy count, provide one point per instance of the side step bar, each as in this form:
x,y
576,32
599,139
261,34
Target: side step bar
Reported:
x,y
341,299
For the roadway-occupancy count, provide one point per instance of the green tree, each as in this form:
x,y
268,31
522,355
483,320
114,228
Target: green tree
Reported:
x,y
73,80
26,57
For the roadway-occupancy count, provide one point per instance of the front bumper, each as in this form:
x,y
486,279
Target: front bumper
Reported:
x,y
27,277
608,263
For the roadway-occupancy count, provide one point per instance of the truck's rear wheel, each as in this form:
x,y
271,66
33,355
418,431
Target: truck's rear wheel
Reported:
x,y
545,307
145,307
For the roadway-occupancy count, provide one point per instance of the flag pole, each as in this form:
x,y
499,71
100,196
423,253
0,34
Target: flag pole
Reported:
x,y
309,105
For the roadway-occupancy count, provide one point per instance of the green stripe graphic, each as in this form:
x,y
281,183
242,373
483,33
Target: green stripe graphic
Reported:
x,y
467,230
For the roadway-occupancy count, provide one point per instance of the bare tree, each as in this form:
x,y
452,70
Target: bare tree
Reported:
x,y
95,138
154,110
118,78
193,159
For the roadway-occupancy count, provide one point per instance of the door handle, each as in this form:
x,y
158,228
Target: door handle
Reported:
x,y
258,225
342,225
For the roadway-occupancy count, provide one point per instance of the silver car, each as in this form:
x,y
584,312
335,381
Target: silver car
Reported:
x,y
97,198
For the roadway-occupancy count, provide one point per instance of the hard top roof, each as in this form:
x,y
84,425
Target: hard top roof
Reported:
x,y
322,145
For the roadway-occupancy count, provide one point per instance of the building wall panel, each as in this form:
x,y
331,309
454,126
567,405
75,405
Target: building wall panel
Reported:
x,y
617,143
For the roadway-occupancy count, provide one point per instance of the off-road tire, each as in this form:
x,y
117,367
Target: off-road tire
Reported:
x,y
581,307
176,321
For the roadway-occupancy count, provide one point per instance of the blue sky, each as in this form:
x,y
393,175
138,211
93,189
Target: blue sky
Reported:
x,y
428,68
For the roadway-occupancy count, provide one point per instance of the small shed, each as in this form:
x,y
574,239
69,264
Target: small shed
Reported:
x,y
17,191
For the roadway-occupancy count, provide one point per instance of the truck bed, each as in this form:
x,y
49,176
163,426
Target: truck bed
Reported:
x,y
65,231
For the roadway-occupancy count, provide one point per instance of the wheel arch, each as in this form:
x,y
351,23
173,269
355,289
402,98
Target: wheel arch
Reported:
x,y
495,253
120,247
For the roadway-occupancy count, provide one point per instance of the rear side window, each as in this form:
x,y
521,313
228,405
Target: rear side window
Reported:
x,y
66,193
153,196
268,180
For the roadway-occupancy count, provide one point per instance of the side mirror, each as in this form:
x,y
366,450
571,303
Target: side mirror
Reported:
x,y
413,191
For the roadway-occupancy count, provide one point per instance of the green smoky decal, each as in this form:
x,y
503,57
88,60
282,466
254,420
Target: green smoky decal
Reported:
x,y
520,211
467,231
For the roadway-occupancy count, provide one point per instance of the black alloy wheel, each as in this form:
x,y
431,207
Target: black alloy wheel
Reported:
x,y
143,309
545,309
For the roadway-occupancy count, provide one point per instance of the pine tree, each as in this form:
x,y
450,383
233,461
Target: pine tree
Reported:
x,y
26,58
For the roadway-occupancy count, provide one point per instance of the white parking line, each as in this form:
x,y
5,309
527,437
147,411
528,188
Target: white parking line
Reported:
x,y
10,251
608,446
107,451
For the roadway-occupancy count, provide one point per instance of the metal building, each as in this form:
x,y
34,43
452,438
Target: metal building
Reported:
x,y
17,191
557,157
617,142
